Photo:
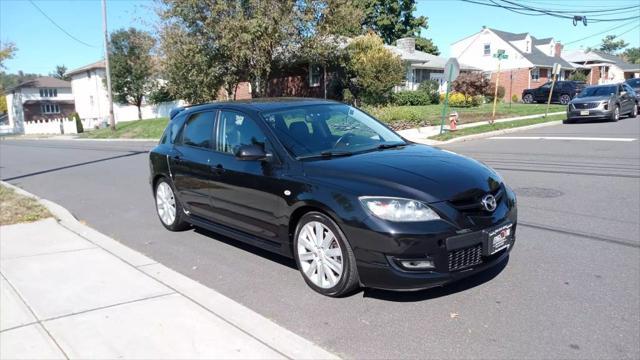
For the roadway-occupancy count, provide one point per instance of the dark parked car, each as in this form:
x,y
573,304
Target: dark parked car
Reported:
x,y
634,83
320,181
603,102
563,92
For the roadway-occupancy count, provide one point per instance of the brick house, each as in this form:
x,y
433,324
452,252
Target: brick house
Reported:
x,y
307,79
38,99
529,61
602,68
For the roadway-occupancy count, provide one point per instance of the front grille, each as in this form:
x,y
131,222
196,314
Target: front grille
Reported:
x,y
580,106
472,204
464,258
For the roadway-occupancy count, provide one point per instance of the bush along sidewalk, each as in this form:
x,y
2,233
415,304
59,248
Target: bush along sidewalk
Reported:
x,y
448,135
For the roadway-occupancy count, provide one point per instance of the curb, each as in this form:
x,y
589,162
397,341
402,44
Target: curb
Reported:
x,y
271,334
486,134
55,138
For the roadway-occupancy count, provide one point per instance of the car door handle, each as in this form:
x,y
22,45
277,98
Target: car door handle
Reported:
x,y
218,169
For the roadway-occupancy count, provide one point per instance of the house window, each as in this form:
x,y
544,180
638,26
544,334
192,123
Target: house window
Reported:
x,y
89,74
314,75
50,109
535,74
487,49
527,49
48,92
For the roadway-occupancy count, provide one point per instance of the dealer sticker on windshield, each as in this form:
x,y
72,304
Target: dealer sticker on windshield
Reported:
x,y
499,239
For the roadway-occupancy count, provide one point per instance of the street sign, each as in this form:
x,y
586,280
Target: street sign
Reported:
x,y
556,69
451,69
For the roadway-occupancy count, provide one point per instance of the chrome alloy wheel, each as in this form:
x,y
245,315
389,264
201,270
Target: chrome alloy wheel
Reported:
x,y
320,255
166,203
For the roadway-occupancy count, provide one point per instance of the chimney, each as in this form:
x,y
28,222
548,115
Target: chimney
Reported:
x,y
558,50
407,44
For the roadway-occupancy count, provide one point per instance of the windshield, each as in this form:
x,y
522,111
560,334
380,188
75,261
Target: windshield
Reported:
x,y
598,91
325,130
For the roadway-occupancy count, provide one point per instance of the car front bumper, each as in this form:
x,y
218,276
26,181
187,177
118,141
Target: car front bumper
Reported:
x,y
589,114
454,256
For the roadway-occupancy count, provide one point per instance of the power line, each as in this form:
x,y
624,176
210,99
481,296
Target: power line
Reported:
x,y
600,33
58,26
619,35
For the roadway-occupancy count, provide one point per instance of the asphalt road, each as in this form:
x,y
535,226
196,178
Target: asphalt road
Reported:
x,y
571,288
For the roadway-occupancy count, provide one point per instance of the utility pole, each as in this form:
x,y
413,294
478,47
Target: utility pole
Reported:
x,y
112,120
500,55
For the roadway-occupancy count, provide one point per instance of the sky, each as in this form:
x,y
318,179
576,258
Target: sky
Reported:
x,y
42,46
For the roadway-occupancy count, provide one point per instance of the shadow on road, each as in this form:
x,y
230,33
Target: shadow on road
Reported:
x,y
462,285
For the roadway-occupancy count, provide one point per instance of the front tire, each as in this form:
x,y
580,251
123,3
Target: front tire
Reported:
x,y
615,116
527,99
324,257
564,99
168,206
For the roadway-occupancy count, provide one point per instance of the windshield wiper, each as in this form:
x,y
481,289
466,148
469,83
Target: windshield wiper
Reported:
x,y
390,145
326,154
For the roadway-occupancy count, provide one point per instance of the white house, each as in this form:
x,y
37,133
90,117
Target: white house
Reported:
x,y
602,68
42,98
529,59
88,85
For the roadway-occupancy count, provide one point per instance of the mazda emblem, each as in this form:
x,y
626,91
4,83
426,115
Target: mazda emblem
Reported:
x,y
489,202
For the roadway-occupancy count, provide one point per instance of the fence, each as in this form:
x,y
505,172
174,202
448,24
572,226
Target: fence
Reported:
x,y
50,126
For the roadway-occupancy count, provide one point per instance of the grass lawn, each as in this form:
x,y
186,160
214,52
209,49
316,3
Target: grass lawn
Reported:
x,y
15,208
405,117
497,126
139,129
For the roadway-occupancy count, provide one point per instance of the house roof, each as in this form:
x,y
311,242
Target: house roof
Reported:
x,y
535,57
599,57
424,60
42,82
96,65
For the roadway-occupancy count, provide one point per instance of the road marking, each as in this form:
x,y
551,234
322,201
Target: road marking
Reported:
x,y
561,138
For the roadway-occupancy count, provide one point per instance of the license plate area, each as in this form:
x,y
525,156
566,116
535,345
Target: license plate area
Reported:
x,y
584,112
498,239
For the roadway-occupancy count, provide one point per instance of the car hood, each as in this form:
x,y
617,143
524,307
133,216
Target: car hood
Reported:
x,y
591,99
417,171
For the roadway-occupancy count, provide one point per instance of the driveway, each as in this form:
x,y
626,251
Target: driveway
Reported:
x,y
569,290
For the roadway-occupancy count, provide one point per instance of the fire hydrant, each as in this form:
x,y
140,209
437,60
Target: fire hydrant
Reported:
x,y
453,121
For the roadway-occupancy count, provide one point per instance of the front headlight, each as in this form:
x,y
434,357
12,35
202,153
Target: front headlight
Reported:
x,y
398,209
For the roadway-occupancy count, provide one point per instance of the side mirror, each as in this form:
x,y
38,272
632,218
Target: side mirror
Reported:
x,y
251,152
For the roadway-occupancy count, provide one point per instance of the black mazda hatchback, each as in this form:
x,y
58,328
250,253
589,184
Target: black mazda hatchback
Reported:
x,y
351,201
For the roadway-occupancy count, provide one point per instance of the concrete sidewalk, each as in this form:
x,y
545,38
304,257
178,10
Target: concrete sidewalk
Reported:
x,y
68,291
422,134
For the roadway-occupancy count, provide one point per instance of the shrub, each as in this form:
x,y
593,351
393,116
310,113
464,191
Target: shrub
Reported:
x,y
471,84
514,98
431,87
457,99
578,76
412,98
347,96
501,92
76,117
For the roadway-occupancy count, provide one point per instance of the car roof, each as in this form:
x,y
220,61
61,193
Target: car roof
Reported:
x,y
260,104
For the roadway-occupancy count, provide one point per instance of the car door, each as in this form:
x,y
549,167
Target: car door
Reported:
x,y
625,100
542,93
248,194
631,95
190,163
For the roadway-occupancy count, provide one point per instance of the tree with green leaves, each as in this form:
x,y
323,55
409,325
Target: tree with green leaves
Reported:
x,y
632,55
395,19
610,45
131,64
60,73
213,44
372,69
7,51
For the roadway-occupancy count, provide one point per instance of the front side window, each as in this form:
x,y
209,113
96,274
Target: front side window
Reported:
x,y
235,130
324,129
198,130
535,74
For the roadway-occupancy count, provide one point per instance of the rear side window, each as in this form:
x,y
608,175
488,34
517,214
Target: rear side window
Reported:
x,y
170,133
198,130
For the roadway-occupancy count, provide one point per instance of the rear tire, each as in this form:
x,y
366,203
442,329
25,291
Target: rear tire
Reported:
x,y
168,206
324,257
564,99
634,111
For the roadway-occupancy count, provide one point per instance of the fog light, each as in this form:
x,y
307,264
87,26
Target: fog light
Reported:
x,y
417,264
